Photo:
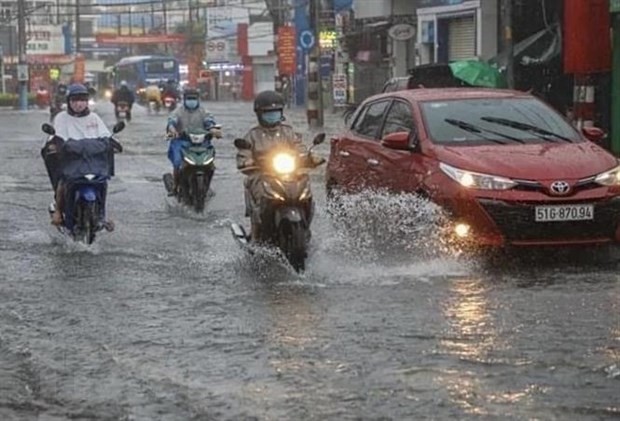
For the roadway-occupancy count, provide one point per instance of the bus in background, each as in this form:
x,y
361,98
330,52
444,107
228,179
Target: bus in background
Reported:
x,y
140,71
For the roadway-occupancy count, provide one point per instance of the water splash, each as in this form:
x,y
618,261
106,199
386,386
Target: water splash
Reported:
x,y
377,226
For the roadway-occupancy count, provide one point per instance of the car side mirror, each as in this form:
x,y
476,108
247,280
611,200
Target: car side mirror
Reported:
x,y
118,127
594,134
48,128
241,143
398,140
318,139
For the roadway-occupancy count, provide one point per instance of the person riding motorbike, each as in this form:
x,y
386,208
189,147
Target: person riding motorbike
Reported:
x,y
123,94
190,116
60,98
169,89
268,134
77,123
153,93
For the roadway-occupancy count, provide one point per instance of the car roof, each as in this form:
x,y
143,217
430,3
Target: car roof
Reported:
x,y
441,94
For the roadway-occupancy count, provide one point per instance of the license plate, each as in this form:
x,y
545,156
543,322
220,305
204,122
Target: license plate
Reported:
x,y
121,114
564,213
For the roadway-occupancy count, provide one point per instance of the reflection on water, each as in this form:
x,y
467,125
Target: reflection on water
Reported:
x,y
467,310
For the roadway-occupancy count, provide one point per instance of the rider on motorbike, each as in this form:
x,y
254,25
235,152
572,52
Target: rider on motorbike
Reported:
x,y
59,98
270,132
153,93
77,123
184,119
123,94
169,89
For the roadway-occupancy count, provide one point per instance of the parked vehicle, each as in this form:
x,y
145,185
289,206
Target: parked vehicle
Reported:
x,y
507,168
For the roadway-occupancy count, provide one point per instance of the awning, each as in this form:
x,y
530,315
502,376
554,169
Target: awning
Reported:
x,y
537,49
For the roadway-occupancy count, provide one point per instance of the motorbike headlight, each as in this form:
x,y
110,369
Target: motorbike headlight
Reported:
x,y
284,163
189,160
108,94
472,180
609,178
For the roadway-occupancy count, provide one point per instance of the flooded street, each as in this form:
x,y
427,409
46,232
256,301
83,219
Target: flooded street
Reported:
x,y
167,319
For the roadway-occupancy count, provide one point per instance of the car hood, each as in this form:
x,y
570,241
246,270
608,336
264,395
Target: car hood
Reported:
x,y
544,161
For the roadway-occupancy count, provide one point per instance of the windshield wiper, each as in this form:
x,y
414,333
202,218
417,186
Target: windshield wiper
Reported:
x,y
542,133
472,128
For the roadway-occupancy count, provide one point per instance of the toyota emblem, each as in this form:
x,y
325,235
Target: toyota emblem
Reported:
x,y
560,187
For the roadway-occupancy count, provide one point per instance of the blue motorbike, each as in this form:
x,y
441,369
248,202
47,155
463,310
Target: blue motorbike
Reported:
x,y
85,166
197,168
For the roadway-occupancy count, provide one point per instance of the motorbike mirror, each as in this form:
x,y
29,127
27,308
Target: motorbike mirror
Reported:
x,y
318,139
594,134
242,144
118,127
47,128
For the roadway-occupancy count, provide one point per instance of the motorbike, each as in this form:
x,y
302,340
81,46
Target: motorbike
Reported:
x,y
55,108
86,166
122,111
285,214
196,171
153,107
170,103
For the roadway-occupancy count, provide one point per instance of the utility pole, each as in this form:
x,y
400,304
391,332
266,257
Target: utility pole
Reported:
x,y
508,42
163,9
314,108
77,27
22,67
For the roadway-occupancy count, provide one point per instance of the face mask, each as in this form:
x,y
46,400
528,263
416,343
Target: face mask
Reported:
x,y
78,105
191,103
272,117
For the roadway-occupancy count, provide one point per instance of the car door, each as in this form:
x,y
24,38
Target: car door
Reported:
x,y
395,170
349,167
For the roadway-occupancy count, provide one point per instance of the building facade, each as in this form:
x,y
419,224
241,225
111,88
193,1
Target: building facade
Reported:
x,y
456,30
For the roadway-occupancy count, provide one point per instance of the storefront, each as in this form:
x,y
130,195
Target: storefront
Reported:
x,y
451,30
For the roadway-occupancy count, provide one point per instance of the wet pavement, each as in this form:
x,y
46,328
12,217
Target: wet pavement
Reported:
x,y
167,319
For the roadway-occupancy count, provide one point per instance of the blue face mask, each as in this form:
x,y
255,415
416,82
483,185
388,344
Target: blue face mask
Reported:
x,y
272,117
192,104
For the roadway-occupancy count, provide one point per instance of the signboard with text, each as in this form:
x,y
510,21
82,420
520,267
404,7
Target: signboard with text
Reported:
x,y
287,50
45,39
437,3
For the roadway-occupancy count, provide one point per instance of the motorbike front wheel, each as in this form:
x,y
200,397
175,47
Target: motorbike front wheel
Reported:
x,y
87,222
200,193
292,239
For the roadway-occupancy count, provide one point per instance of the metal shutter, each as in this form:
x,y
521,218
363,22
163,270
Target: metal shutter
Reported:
x,y
462,38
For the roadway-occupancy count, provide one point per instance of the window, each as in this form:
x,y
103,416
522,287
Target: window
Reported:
x,y
159,66
370,119
399,119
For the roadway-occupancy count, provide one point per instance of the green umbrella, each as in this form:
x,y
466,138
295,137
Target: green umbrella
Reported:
x,y
478,73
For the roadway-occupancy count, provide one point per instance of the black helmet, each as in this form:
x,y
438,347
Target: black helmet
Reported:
x,y
267,101
191,93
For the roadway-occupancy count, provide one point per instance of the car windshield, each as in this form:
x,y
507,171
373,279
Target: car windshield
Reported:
x,y
495,120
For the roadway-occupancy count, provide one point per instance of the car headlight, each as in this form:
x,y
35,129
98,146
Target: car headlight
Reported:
x,y
474,180
609,178
283,163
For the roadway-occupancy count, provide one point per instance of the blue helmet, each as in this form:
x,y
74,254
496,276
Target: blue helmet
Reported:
x,y
77,89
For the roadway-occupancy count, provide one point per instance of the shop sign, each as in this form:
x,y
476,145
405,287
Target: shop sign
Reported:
x,y
437,3
401,32
339,91
287,50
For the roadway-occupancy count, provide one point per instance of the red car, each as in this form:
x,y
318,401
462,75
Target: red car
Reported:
x,y
506,167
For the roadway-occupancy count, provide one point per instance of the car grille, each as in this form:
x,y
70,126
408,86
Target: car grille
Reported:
x,y
516,222
581,185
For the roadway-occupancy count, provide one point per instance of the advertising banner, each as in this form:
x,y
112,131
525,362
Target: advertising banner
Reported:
x,y
287,50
